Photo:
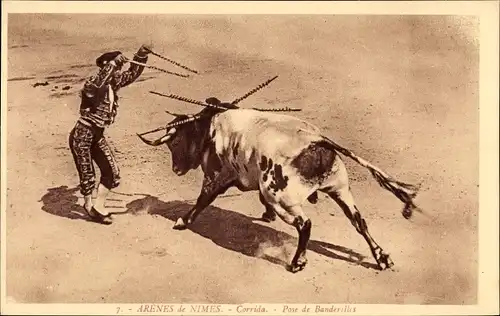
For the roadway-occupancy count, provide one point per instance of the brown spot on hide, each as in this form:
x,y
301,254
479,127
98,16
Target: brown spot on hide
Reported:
x,y
263,163
279,180
269,165
315,162
266,166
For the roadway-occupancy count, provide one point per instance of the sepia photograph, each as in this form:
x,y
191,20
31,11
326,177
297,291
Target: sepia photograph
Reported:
x,y
245,162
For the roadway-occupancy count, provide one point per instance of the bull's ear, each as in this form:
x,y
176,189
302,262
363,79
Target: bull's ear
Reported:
x,y
213,101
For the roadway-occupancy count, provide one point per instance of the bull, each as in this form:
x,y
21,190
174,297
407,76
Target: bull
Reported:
x,y
288,160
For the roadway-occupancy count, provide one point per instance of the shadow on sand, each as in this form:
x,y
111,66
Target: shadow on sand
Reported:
x,y
62,201
227,229
237,232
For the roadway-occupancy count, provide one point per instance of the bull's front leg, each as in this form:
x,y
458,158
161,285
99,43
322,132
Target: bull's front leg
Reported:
x,y
212,187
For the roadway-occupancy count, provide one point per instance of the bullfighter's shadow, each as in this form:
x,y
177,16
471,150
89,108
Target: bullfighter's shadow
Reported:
x,y
237,232
62,201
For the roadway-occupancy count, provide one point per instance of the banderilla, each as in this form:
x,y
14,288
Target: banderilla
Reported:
x,y
159,69
153,131
173,62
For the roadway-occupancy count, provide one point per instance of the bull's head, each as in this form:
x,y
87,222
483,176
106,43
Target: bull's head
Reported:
x,y
186,137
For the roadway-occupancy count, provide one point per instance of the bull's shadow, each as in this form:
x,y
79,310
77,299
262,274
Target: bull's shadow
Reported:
x,y
240,233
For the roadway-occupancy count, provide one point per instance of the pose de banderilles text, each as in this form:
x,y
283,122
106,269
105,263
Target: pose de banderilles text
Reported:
x,y
98,110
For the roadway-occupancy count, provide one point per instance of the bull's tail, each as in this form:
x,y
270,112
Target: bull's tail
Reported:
x,y
403,191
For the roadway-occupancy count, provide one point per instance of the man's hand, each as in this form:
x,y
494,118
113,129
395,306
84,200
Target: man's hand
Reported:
x,y
145,49
120,60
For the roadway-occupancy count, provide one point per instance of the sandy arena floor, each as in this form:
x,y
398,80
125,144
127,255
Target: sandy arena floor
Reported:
x,y
400,92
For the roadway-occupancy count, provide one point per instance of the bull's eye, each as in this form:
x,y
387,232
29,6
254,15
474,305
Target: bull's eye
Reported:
x,y
175,141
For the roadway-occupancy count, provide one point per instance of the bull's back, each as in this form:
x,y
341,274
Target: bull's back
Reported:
x,y
270,134
247,141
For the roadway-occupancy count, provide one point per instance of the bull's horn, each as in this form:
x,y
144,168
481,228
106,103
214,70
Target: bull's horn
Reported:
x,y
173,114
177,115
156,142
159,141
147,141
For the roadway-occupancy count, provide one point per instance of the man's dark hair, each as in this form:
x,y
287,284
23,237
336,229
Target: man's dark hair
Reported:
x,y
106,58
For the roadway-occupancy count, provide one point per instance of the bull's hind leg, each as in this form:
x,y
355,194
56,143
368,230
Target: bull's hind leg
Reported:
x,y
345,200
303,226
210,190
294,216
270,214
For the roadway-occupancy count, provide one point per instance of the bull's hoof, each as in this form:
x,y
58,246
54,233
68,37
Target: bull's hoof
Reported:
x,y
179,224
409,209
297,266
407,214
268,217
384,262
